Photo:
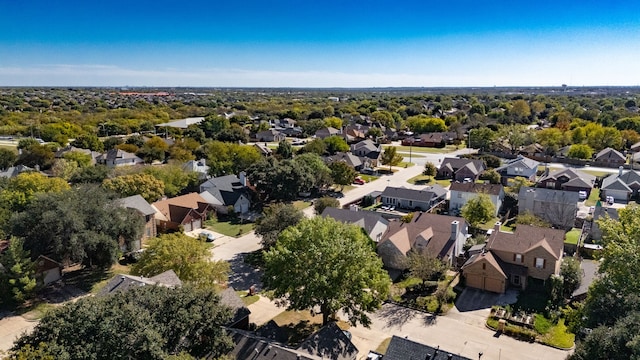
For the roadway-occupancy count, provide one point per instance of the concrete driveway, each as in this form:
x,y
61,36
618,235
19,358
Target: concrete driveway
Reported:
x,y
474,299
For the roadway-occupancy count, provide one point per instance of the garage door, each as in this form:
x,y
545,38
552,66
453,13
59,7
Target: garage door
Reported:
x,y
494,285
618,195
197,224
475,281
187,227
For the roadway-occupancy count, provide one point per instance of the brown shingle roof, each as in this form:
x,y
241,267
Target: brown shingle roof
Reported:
x,y
526,238
178,207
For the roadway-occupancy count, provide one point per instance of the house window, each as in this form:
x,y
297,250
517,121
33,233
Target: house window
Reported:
x,y
540,263
516,279
459,195
484,266
410,203
518,258
551,184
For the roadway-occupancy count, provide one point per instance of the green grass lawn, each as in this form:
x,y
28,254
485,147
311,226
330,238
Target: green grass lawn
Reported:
x,y
405,164
368,178
420,179
230,228
384,345
9,147
37,311
593,197
573,236
444,182
301,205
247,300
418,149
558,336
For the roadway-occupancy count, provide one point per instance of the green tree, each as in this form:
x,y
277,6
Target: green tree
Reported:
x,y
324,202
580,151
328,265
18,279
425,266
318,169
342,174
153,150
228,158
158,321
91,175
374,132
316,146
64,169
571,275
391,157
7,158
275,218
334,122
180,154
528,218
36,156
430,169
478,210
88,141
520,110
213,125
145,185
492,175
22,189
482,138
422,124
175,180
81,159
284,150
517,183
28,352
617,342
235,134
279,180
83,225
112,142
336,144
188,257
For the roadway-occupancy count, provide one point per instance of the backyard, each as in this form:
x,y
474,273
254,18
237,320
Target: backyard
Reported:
x,y
572,236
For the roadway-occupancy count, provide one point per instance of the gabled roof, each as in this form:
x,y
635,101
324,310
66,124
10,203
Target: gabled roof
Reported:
x,y
549,195
14,171
330,342
405,349
367,145
348,158
610,154
249,346
365,219
226,189
489,258
125,282
44,263
272,132
176,208
576,178
230,298
519,161
329,131
138,203
196,166
621,182
265,150
454,164
526,238
115,154
471,187
404,235
426,195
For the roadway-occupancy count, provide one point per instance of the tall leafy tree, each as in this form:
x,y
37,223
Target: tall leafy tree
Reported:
x,y
284,150
81,225
149,322
17,280
88,141
478,210
336,144
342,174
7,158
391,157
275,218
145,185
324,202
279,180
425,266
188,257
22,189
315,166
328,265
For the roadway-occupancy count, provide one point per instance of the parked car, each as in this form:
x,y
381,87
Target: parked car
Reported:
x,y
582,195
207,236
610,200
359,181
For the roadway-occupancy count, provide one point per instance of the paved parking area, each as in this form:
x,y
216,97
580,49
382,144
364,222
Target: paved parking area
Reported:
x,y
474,299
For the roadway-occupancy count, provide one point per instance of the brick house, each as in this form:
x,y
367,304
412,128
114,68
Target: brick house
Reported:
x,y
460,169
189,211
511,258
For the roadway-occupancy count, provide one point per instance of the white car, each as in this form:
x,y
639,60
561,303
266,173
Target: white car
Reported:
x,y
207,235
582,195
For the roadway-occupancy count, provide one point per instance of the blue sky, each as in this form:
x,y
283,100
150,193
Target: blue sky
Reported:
x,y
309,43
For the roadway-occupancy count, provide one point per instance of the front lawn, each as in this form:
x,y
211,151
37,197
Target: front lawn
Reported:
x,y
247,300
420,180
593,197
234,227
368,178
558,336
405,164
573,236
301,205
545,330
411,292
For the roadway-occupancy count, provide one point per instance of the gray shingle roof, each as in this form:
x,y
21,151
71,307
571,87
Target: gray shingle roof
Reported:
x,y
125,282
577,177
608,154
427,194
227,189
405,349
519,161
550,195
476,166
365,219
330,342
230,298
621,182
137,202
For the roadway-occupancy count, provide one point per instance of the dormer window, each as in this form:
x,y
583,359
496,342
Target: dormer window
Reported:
x,y
518,258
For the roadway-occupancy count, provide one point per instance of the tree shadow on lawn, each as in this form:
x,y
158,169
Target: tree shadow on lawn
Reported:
x,y
397,316
243,275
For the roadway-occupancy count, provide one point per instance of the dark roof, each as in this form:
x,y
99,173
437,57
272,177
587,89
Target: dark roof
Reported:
x,y
549,195
330,342
230,298
454,164
227,189
44,263
249,346
14,171
138,203
405,349
125,282
365,219
427,194
471,187
271,330
528,237
609,153
520,160
572,175
348,158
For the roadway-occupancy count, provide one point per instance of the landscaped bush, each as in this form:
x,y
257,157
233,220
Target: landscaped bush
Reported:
x,y
428,303
520,333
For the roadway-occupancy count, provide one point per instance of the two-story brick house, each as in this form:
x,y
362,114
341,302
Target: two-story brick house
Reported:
x,y
530,252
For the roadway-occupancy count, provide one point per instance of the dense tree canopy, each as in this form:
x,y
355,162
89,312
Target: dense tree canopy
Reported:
x,y
478,210
275,218
145,185
188,257
279,180
81,225
324,264
149,322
